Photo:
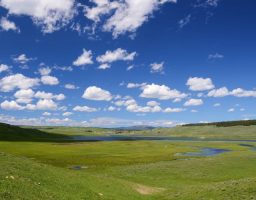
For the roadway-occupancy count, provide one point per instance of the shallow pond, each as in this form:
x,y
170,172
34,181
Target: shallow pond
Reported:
x,y
204,152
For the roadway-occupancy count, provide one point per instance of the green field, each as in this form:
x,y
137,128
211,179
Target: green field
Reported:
x,y
39,165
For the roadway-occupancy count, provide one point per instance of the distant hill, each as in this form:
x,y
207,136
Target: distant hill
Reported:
x,y
135,128
226,123
15,133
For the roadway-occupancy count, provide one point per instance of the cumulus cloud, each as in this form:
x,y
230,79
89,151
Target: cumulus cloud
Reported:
x,y
104,66
161,92
221,92
22,59
84,109
70,86
24,95
153,103
127,15
84,59
173,110
117,122
143,109
44,71
43,104
46,114
20,81
194,102
116,55
200,84
49,80
48,14
48,95
11,105
157,67
66,114
97,94
136,85
8,25
4,67
239,92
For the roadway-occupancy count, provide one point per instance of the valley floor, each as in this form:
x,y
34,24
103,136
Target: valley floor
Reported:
x,y
126,170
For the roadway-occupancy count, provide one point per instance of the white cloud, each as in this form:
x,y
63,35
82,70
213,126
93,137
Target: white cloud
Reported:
x,y
161,92
64,68
127,15
45,95
24,95
96,93
84,59
44,71
70,87
200,84
22,59
8,25
20,81
66,114
49,80
173,110
46,104
50,15
129,68
231,110
3,68
136,85
116,55
239,92
85,109
221,92
185,21
143,109
216,105
157,67
215,56
117,122
153,103
102,7
104,66
111,108
59,97
194,102
11,105
47,114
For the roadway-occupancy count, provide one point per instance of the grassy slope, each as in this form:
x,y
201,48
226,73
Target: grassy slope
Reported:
x,y
16,133
117,169
210,131
124,170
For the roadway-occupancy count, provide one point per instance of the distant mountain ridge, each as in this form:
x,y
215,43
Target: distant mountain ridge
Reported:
x,y
136,128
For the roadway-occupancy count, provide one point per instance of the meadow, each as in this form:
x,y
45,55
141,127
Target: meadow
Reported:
x,y
42,164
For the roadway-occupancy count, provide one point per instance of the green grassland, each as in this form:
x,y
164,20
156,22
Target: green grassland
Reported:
x,y
42,167
238,132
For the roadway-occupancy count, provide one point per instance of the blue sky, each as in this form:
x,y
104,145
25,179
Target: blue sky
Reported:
x,y
126,62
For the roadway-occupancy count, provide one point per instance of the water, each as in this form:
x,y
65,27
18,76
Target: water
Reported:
x,y
204,152
252,147
136,138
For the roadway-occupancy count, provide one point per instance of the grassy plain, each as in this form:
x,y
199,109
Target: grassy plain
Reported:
x,y
151,170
